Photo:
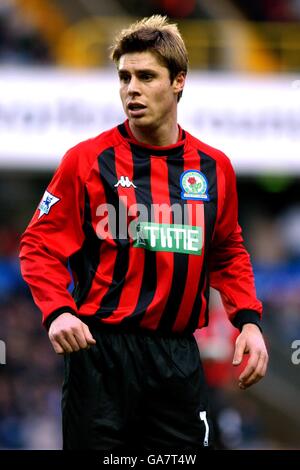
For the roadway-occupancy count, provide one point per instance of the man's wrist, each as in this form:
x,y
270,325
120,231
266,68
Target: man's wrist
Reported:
x,y
246,317
59,311
250,326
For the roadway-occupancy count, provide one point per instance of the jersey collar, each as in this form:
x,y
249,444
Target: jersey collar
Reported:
x,y
126,133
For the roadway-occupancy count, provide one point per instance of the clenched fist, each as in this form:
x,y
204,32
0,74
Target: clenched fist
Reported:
x,y
68,334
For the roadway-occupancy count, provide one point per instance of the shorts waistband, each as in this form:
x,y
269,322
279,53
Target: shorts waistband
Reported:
x,y
95,322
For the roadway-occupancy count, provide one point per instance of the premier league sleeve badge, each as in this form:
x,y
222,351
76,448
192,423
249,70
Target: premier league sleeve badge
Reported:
x,y
48,200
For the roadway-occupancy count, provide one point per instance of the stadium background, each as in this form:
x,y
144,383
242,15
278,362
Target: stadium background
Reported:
x,y
244,98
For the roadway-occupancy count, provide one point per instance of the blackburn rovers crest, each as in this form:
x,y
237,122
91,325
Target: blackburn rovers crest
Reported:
x,y
194,185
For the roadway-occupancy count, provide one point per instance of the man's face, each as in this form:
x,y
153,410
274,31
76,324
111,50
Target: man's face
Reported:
x,y
149,98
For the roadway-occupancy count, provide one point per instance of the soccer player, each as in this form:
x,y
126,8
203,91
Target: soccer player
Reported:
x,y
145,216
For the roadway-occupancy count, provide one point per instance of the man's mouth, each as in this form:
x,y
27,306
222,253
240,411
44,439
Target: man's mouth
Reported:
x,y
136,110
135,106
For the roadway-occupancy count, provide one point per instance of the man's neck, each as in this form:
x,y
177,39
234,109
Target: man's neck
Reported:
x,y
163,136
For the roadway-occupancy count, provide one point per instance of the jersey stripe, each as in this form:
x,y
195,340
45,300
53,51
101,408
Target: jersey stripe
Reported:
x,y
195,217
180,268
108,176
208,168
160,195
102,277
85,262
132,283
142,176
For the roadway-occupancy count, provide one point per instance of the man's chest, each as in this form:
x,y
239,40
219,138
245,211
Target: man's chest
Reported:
x,y
163,203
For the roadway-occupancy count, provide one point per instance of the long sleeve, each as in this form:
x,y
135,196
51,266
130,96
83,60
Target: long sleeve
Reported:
x,y
230,267
54,233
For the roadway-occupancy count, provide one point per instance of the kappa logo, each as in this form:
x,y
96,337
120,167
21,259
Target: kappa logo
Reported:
x,y
125,182
46,203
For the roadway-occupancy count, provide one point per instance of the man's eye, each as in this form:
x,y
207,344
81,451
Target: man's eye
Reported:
x,y
124,78
146,76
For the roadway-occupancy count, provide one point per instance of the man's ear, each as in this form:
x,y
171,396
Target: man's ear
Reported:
x,y
178,82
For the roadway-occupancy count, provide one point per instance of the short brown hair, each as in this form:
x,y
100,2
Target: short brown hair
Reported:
x,y
156,35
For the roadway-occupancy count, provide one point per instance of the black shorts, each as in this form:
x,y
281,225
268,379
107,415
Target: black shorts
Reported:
x,y
135,390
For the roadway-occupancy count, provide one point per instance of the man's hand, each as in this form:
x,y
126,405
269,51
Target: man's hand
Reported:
x,y
68,334
251,341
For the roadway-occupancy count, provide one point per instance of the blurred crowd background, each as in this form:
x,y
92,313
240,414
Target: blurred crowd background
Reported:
x,y
260,36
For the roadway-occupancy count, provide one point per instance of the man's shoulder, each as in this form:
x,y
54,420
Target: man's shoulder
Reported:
x,y
83,155
221,158
105,139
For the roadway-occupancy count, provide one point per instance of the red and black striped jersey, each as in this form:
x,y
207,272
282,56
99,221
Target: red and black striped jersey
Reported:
x,y
145,231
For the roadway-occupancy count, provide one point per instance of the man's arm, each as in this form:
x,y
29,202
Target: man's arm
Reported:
x,y
53,235
232,275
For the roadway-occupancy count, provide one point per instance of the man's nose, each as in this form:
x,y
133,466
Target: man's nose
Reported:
x,y
133,86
